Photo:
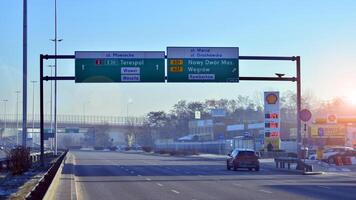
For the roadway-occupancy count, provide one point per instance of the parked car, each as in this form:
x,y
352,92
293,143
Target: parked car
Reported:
x,y
331,151
347,153
243,158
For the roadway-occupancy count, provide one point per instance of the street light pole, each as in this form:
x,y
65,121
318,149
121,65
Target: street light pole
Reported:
x,y
55,40
51,105
127,109
17,117
4,100
84,110
24,76
33,108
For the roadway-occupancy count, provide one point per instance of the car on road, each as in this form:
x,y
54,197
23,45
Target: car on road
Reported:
x,y
331,151
243,158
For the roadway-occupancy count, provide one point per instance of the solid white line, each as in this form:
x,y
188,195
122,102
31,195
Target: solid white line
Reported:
x,y
159,184
266,191
175,191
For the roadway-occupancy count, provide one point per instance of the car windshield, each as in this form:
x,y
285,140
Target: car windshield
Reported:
x,y
247,153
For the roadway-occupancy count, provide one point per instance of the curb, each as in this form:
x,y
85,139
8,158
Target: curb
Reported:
x,y
313,173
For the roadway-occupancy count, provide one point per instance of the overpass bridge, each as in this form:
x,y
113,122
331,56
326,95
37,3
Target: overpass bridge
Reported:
x,y
80,121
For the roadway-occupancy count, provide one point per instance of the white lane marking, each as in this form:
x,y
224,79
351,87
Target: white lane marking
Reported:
x,y
321,186
159,184
148,179
175,191
236,184
266,191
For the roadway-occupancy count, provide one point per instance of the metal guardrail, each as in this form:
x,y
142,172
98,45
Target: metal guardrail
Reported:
x,y
281,162
42,186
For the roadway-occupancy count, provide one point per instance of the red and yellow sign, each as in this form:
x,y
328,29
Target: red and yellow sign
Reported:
x,y
271,98
331,119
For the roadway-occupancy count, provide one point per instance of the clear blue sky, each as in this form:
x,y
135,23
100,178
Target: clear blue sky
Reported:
x,y
322,32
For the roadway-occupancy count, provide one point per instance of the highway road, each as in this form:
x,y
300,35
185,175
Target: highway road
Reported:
x,y
112,175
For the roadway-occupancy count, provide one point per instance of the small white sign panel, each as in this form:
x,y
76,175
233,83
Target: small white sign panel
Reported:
x,y
203,52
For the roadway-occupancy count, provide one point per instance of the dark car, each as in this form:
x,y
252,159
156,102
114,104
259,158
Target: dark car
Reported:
x,y
243,158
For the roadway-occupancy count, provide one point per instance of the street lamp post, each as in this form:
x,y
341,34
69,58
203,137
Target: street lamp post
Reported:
x,y
4,101
51,105
33,108
24,76
55,40
17,117
127,109
84,110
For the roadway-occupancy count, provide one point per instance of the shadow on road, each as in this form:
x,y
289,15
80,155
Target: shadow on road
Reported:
x,y
159,170
320,192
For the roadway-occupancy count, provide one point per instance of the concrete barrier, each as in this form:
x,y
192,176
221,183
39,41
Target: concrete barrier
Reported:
x,y
39,191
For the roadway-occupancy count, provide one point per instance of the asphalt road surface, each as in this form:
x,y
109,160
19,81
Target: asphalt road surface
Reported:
x,y
112,175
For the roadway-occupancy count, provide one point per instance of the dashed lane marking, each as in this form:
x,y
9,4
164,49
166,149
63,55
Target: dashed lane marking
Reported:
x,y
175,191
266,191
321,186
148,179
159,184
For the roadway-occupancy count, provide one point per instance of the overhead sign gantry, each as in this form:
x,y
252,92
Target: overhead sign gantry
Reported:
x,y
184,64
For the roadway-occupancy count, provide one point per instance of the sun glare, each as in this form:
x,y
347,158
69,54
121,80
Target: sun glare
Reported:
x,y
351,98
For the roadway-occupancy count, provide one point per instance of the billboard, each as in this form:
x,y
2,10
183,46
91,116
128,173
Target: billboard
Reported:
x,y
327,131
218,112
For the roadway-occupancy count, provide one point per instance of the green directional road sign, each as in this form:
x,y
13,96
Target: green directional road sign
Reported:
x,y
119,66
203,64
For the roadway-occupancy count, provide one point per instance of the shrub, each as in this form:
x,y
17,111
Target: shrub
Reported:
x,y
19,160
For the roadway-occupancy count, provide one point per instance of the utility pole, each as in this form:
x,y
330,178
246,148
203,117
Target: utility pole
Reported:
x,y
5,101
55,40
33,108
17,117
51,104
24,76
84,110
